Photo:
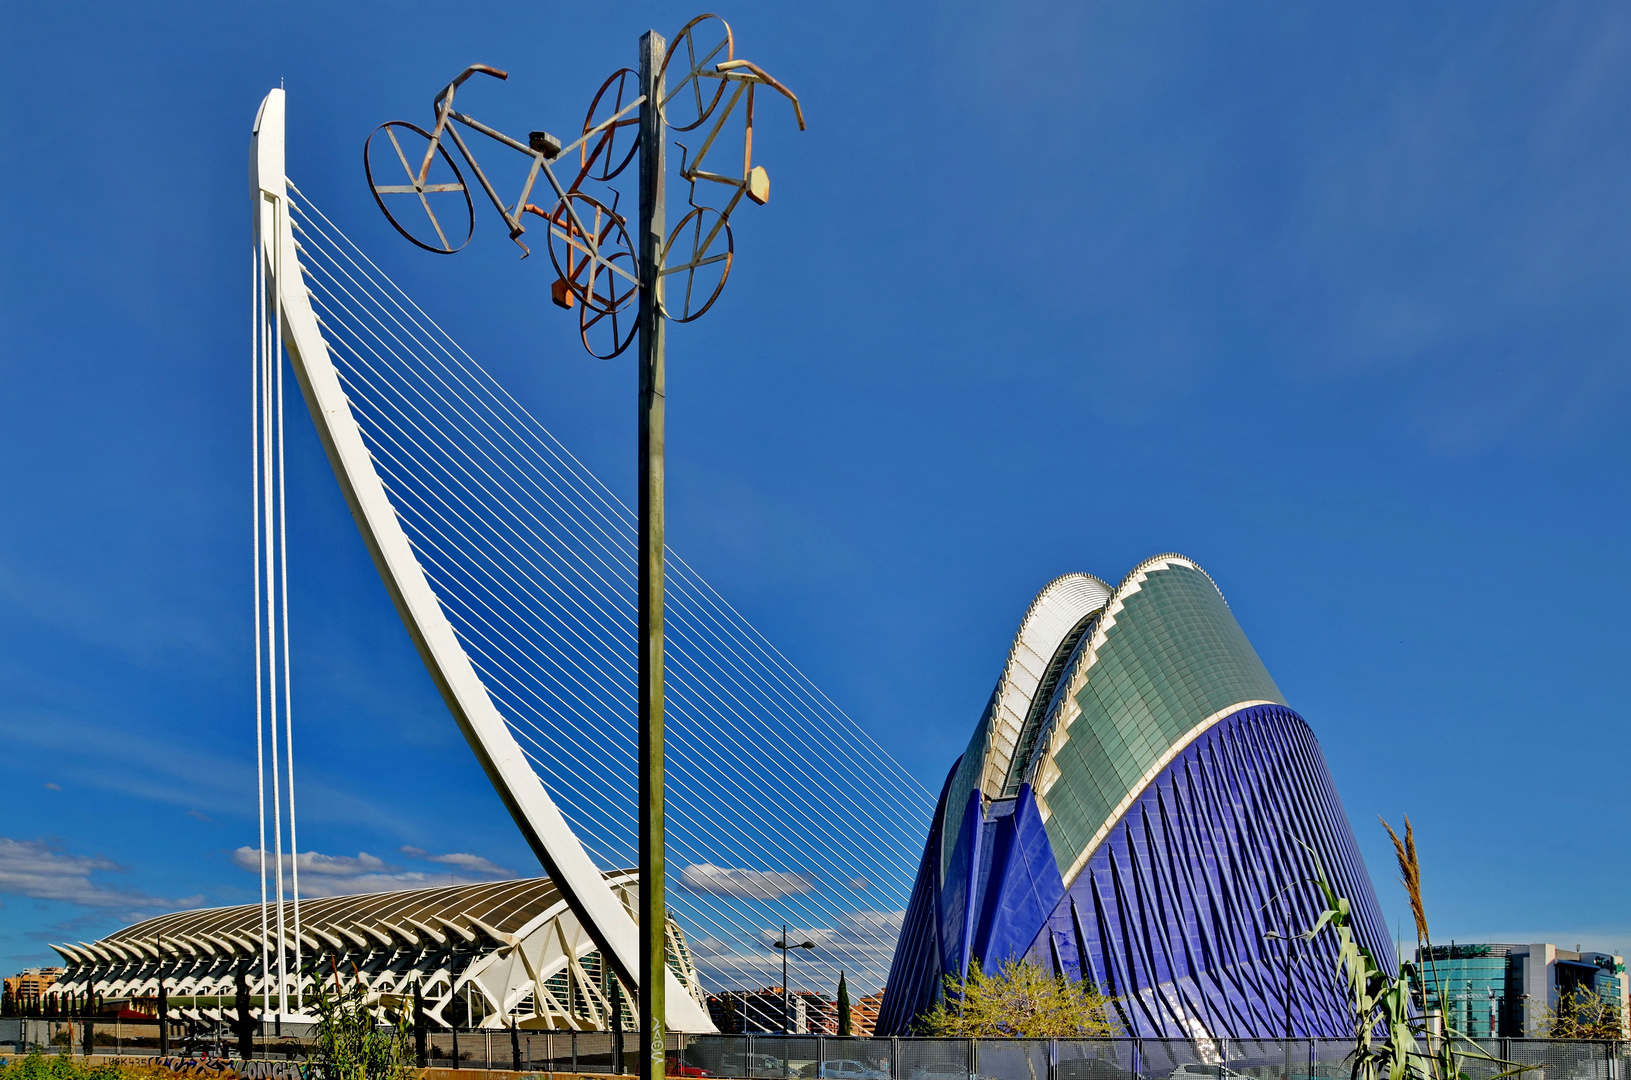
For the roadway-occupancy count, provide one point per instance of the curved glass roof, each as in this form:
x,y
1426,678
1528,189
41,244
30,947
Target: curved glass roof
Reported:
x,y
1007,728
1165,661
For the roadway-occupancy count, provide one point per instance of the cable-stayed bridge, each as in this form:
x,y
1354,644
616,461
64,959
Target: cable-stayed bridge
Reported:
x,y
781,809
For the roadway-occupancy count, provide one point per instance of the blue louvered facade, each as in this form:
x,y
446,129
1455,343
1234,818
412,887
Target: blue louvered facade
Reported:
x,y
1197,837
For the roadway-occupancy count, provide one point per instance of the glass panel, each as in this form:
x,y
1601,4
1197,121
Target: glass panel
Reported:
x,y
1561,1060
1096,1059
1268,1059
1179,1059
1173,656
718,1055
776,1057
1480,1058
1011,1059
1329,1059
933,1059
854,1059
595,1051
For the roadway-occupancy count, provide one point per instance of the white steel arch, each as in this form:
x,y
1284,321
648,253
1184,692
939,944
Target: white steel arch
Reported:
x,y
606,920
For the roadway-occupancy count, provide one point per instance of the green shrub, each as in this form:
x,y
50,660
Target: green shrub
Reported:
x,y
39,1066
1022,1000
356,1040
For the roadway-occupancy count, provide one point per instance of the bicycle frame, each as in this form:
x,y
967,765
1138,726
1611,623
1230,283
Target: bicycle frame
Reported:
x,y
747,75
543,149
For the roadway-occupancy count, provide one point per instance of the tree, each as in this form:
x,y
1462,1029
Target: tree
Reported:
x,y
1579,1014
1020,1001
843,1006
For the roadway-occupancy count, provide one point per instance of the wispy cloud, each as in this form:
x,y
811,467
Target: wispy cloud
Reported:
x,y
860,943
343,875
473,863
43,871
745,884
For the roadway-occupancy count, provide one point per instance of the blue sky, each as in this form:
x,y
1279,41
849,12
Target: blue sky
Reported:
x,y
1332,300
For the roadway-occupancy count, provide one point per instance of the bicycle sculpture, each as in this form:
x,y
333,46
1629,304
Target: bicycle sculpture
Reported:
x,y
625,283
424,194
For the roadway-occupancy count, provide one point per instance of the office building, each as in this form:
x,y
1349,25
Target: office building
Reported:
x,y
1510,991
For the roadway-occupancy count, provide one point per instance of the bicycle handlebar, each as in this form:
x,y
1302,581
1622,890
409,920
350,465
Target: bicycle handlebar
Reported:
x,y
726,66
485,69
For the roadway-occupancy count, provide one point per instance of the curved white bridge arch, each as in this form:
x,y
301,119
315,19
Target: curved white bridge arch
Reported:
x,y
585,889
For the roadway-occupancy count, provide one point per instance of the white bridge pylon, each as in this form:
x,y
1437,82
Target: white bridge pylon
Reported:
x,y
605,918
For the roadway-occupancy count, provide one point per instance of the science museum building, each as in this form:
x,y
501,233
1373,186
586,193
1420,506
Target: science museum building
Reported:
x,y
1140,807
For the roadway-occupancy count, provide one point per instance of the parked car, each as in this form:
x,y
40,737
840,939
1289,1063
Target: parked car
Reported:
x,y
1200,1070
941,1070
1090,1069
849,1069
750,1065
676,1067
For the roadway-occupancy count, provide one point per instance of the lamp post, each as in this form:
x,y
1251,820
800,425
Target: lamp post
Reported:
x,y
607,277
164,1011
784,947
1273,935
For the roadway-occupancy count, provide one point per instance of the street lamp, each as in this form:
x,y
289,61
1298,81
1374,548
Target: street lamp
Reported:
x,y
784,947
1274,935
619,286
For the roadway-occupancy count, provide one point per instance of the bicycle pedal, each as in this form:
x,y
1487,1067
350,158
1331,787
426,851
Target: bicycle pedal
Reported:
x,y
759,185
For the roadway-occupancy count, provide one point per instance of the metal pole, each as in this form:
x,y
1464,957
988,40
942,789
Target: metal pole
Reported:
x,y
653,901
786,1022
1288,1010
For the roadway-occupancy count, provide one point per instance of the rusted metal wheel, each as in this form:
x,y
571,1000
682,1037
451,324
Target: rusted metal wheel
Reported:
x,y
582,244
607,333
696,262
609,153
693,88
418,187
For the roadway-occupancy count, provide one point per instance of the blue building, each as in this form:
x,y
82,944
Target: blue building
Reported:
x,y
1133,808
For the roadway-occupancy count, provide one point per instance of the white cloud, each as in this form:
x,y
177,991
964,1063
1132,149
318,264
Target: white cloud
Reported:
x,y
860,943
343,875
473,863
746,884
43,871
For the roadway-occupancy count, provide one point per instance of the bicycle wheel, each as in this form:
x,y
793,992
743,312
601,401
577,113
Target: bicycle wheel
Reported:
x,y
696,262
607,333
705,41
431,191
582,243
610,152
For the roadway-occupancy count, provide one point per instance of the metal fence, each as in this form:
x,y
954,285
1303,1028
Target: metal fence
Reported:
x,y
771,1057
815,1057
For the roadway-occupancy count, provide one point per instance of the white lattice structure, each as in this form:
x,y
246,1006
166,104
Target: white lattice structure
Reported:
x,y
507,950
